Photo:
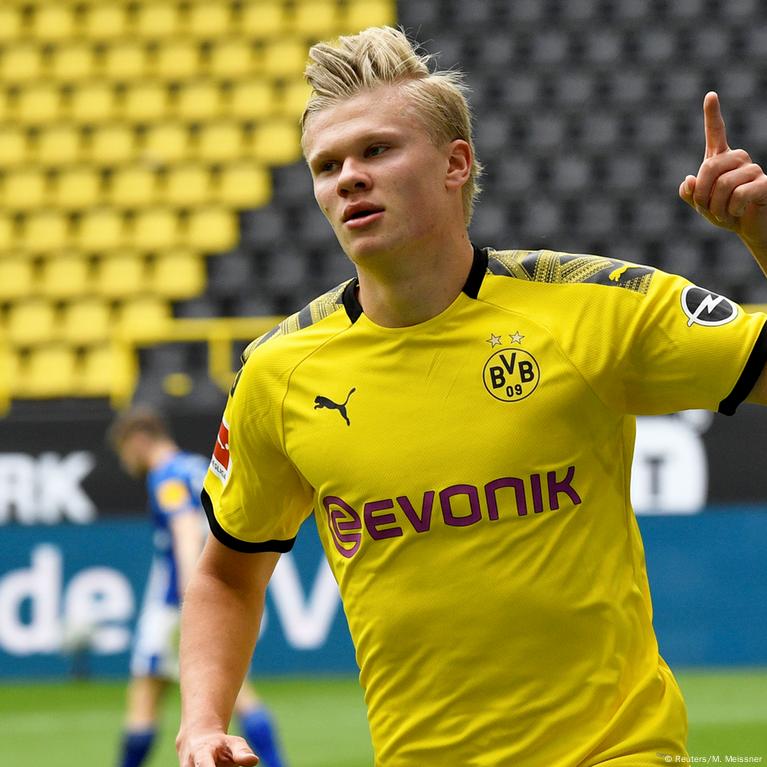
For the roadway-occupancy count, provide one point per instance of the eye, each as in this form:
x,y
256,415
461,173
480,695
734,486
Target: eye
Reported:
x,y
376,150
327,166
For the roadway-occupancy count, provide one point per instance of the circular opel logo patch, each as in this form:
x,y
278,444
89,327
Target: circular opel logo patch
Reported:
x,y
703,307
511,375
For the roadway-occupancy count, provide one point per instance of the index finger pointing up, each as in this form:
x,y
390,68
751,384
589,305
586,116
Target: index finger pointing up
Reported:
x,y
716,135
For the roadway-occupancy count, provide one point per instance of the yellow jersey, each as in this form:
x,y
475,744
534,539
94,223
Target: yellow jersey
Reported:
x,y
470,480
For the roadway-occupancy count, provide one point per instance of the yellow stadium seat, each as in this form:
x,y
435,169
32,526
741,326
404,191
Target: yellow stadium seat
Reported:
x,y
295,94
45,231
316,18
157,20
231,59
58,144
284,58
220,141
21,63
208,21
101,230
6,106
244,185
39,104
264,19
106,21
155,229
251,99
13,146
369,13
93,102
134,186
49,371
11,23
17,277
125,60
277,142
143,318
198,101
86,321
52,22
212,229
73,61
112,145
145,102
187,186
32,321
179,274
65,276
165,143
24,189
7,233
77,188
121,274
177,60
99,367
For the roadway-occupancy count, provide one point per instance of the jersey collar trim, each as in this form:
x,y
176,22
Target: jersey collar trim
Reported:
x,y
471,286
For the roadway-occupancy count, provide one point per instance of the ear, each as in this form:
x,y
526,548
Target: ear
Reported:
x,y
459,163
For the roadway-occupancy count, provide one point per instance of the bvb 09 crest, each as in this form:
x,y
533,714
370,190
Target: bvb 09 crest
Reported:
x,y
511,374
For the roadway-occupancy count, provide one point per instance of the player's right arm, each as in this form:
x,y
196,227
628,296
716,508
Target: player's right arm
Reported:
x,y
220,622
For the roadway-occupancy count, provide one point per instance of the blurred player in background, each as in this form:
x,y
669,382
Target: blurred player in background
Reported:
x,y
461,421
174,478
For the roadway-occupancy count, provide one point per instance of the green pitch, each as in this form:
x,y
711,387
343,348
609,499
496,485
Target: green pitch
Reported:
x,y
322,720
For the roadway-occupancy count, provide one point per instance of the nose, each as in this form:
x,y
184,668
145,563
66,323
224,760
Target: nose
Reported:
x,y
352,178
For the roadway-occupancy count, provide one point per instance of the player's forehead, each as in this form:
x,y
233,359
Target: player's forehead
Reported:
x,y
366,114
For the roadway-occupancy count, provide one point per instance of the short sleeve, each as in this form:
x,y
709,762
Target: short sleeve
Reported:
x,y
688,347
254,497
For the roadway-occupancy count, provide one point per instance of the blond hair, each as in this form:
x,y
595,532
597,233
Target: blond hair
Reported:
x,y
381,56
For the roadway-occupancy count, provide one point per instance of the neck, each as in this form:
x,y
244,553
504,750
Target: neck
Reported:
x,y
415,285
160,453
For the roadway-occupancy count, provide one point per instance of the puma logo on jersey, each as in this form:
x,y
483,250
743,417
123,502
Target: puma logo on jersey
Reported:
x,y
616,274
320,402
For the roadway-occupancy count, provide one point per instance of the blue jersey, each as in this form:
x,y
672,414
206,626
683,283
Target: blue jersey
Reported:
x,y
173,488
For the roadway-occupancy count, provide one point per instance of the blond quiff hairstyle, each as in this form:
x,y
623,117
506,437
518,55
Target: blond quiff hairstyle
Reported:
x,y
381,56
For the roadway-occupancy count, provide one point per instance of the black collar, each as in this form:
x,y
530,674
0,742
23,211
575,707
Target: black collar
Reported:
x,y
470,288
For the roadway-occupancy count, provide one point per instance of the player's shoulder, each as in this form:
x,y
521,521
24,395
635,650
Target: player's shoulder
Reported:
x,y
559,268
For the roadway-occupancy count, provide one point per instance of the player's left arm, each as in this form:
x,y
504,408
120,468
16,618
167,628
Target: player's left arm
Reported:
x,y
188,540
730,190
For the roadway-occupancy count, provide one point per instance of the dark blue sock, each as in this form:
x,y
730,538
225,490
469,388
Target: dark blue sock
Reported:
x,y
259,731
135,747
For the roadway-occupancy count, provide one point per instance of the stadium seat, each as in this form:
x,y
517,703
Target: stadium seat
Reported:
x,y
220,141
17,277
72,62
212,229
264,19
231,59
244,185
44,231
111,145
232,275
187,186
155,229
165,143
157,20
14,148
38,104
198,101
49,371
143,318
317,19
54,22
145,102
121,274
93,103
251,99
294,96
20,63
100,366
24,189
133,186
284,57
208,21
11,23
58,144
178,274
30,322
86,322
276,142
65,276
371,13
7,232
100,230
177,60
77,188
105,21
125,60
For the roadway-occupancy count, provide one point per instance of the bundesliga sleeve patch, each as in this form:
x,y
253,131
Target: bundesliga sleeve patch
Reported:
x,y
705,308
221,460
173,495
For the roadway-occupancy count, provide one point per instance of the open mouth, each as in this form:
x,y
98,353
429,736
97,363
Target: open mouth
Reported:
x,y
362,217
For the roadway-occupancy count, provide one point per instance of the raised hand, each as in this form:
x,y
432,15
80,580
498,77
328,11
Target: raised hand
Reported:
x,y
729,190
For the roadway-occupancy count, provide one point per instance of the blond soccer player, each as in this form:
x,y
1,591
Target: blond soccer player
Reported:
x,y
460,421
